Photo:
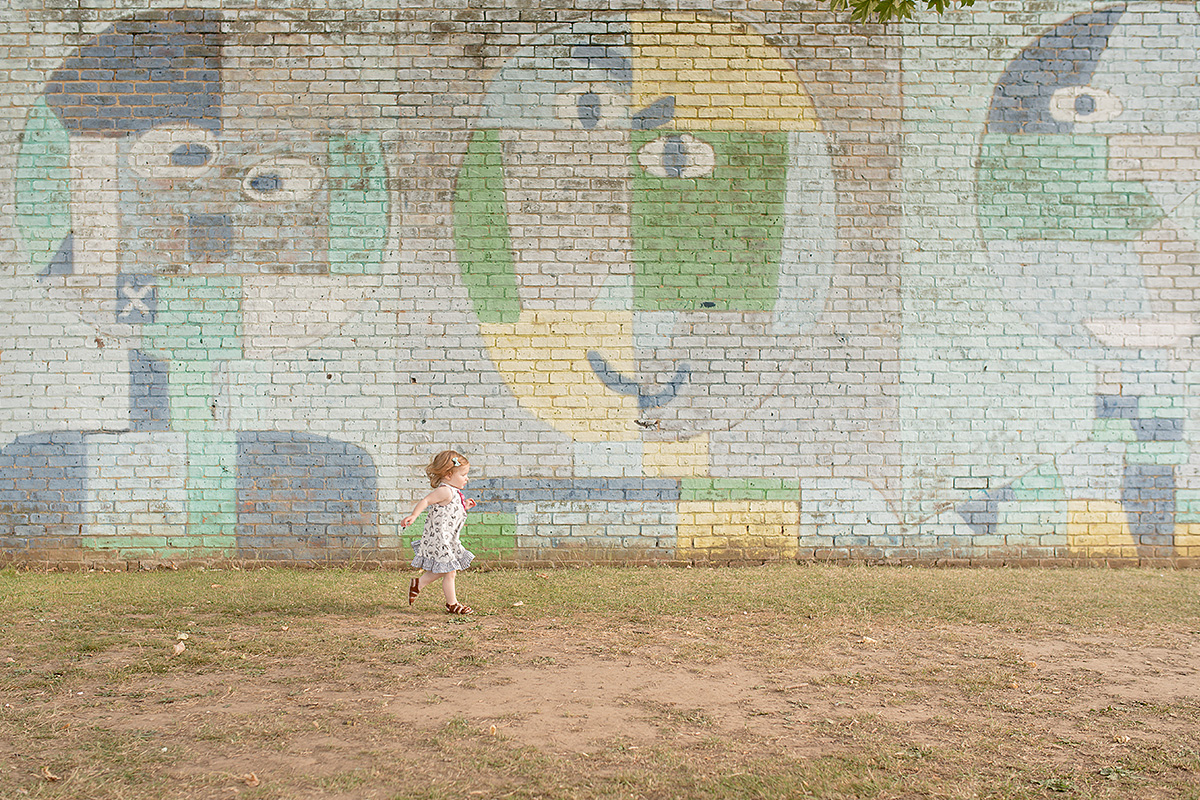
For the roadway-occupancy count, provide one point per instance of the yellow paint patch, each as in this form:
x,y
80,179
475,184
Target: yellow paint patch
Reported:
x,y
688,459
1187,540
722,74
738,529
543,359
1099,528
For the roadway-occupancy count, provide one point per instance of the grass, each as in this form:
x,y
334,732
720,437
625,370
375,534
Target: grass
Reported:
x,y
850,682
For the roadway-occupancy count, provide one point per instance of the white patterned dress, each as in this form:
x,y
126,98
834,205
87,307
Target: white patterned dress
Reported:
x,y
439,549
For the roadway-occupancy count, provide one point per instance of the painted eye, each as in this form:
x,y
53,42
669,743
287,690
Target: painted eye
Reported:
x,y
173,153
1084,104
588,106
284,180
677,155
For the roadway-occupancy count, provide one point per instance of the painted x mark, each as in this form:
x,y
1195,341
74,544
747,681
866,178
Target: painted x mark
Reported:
x,y
136,296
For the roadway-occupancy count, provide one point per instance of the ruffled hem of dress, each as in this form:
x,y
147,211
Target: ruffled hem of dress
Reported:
x,y
429,565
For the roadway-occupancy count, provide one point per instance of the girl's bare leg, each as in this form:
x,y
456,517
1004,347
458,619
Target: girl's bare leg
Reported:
x,y
448,588
426,578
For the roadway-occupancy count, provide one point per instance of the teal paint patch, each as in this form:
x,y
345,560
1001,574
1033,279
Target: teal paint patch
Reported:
x,y
199,323
359,205
1038,514
718,489
1056,186
711,242
1157,453
481,235
1113,430
211,492
198,319
43,186
1187,506
1043,484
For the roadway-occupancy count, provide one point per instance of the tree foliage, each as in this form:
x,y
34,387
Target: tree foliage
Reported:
x,y
893,10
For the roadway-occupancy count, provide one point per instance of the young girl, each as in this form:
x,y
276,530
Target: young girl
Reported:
x,y
439,552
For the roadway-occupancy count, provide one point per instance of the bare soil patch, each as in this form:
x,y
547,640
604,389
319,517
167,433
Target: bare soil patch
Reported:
x,y
412,703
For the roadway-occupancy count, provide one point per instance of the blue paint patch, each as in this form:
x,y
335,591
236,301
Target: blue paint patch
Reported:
x,y
302,497
1065,56
43,488
1148,495
1116,406
504,495
190,155
63,260
982,514
141,72
611,58
149,395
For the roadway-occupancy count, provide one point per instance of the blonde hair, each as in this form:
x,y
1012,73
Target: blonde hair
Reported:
x,y
443,464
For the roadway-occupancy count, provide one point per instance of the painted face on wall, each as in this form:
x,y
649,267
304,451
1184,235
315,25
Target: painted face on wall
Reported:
x,y
1088,179
166,153
644,222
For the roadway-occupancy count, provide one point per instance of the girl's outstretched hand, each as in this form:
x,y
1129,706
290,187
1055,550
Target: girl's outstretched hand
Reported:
x,y
471,504
409,520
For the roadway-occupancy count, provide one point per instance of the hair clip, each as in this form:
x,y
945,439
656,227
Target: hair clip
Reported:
x,y
456,462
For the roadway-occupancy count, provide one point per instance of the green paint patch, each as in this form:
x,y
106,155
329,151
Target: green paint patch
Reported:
x,y
481,236
712,242
43,185
1051,186
716,489
358,205
491,535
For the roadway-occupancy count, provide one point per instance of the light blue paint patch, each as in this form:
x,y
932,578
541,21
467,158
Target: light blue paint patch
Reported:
x,y
624,529
578,79
608,459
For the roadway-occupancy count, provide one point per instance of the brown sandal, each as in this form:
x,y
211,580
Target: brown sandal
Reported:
x,y
414,589
458,608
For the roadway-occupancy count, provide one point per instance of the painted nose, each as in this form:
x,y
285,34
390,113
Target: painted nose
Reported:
x,y
210,237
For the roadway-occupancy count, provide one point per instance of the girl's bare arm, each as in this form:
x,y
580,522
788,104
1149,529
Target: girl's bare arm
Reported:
x,y
435,498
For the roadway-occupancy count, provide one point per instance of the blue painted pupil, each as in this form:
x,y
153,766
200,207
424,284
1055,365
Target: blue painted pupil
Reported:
x,y
190,155
588,109
1085,104
674,156
266,183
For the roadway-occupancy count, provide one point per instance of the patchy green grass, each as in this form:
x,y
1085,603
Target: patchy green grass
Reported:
x,y
772,682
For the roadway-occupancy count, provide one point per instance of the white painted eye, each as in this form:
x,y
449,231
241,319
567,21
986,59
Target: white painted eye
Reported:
x,y
677,155
181,153
282,180
1084,104
586,106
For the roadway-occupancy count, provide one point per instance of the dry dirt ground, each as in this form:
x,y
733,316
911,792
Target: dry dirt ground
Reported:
x,y
415,703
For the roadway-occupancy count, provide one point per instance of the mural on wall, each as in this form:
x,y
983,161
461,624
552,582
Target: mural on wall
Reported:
x,y
182,192
1088,206
644,221
659,322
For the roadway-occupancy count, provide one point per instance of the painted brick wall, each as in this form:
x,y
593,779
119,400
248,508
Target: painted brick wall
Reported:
x,y
737,282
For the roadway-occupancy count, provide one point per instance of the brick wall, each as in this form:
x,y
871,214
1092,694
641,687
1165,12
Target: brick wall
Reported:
x,y
727,284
